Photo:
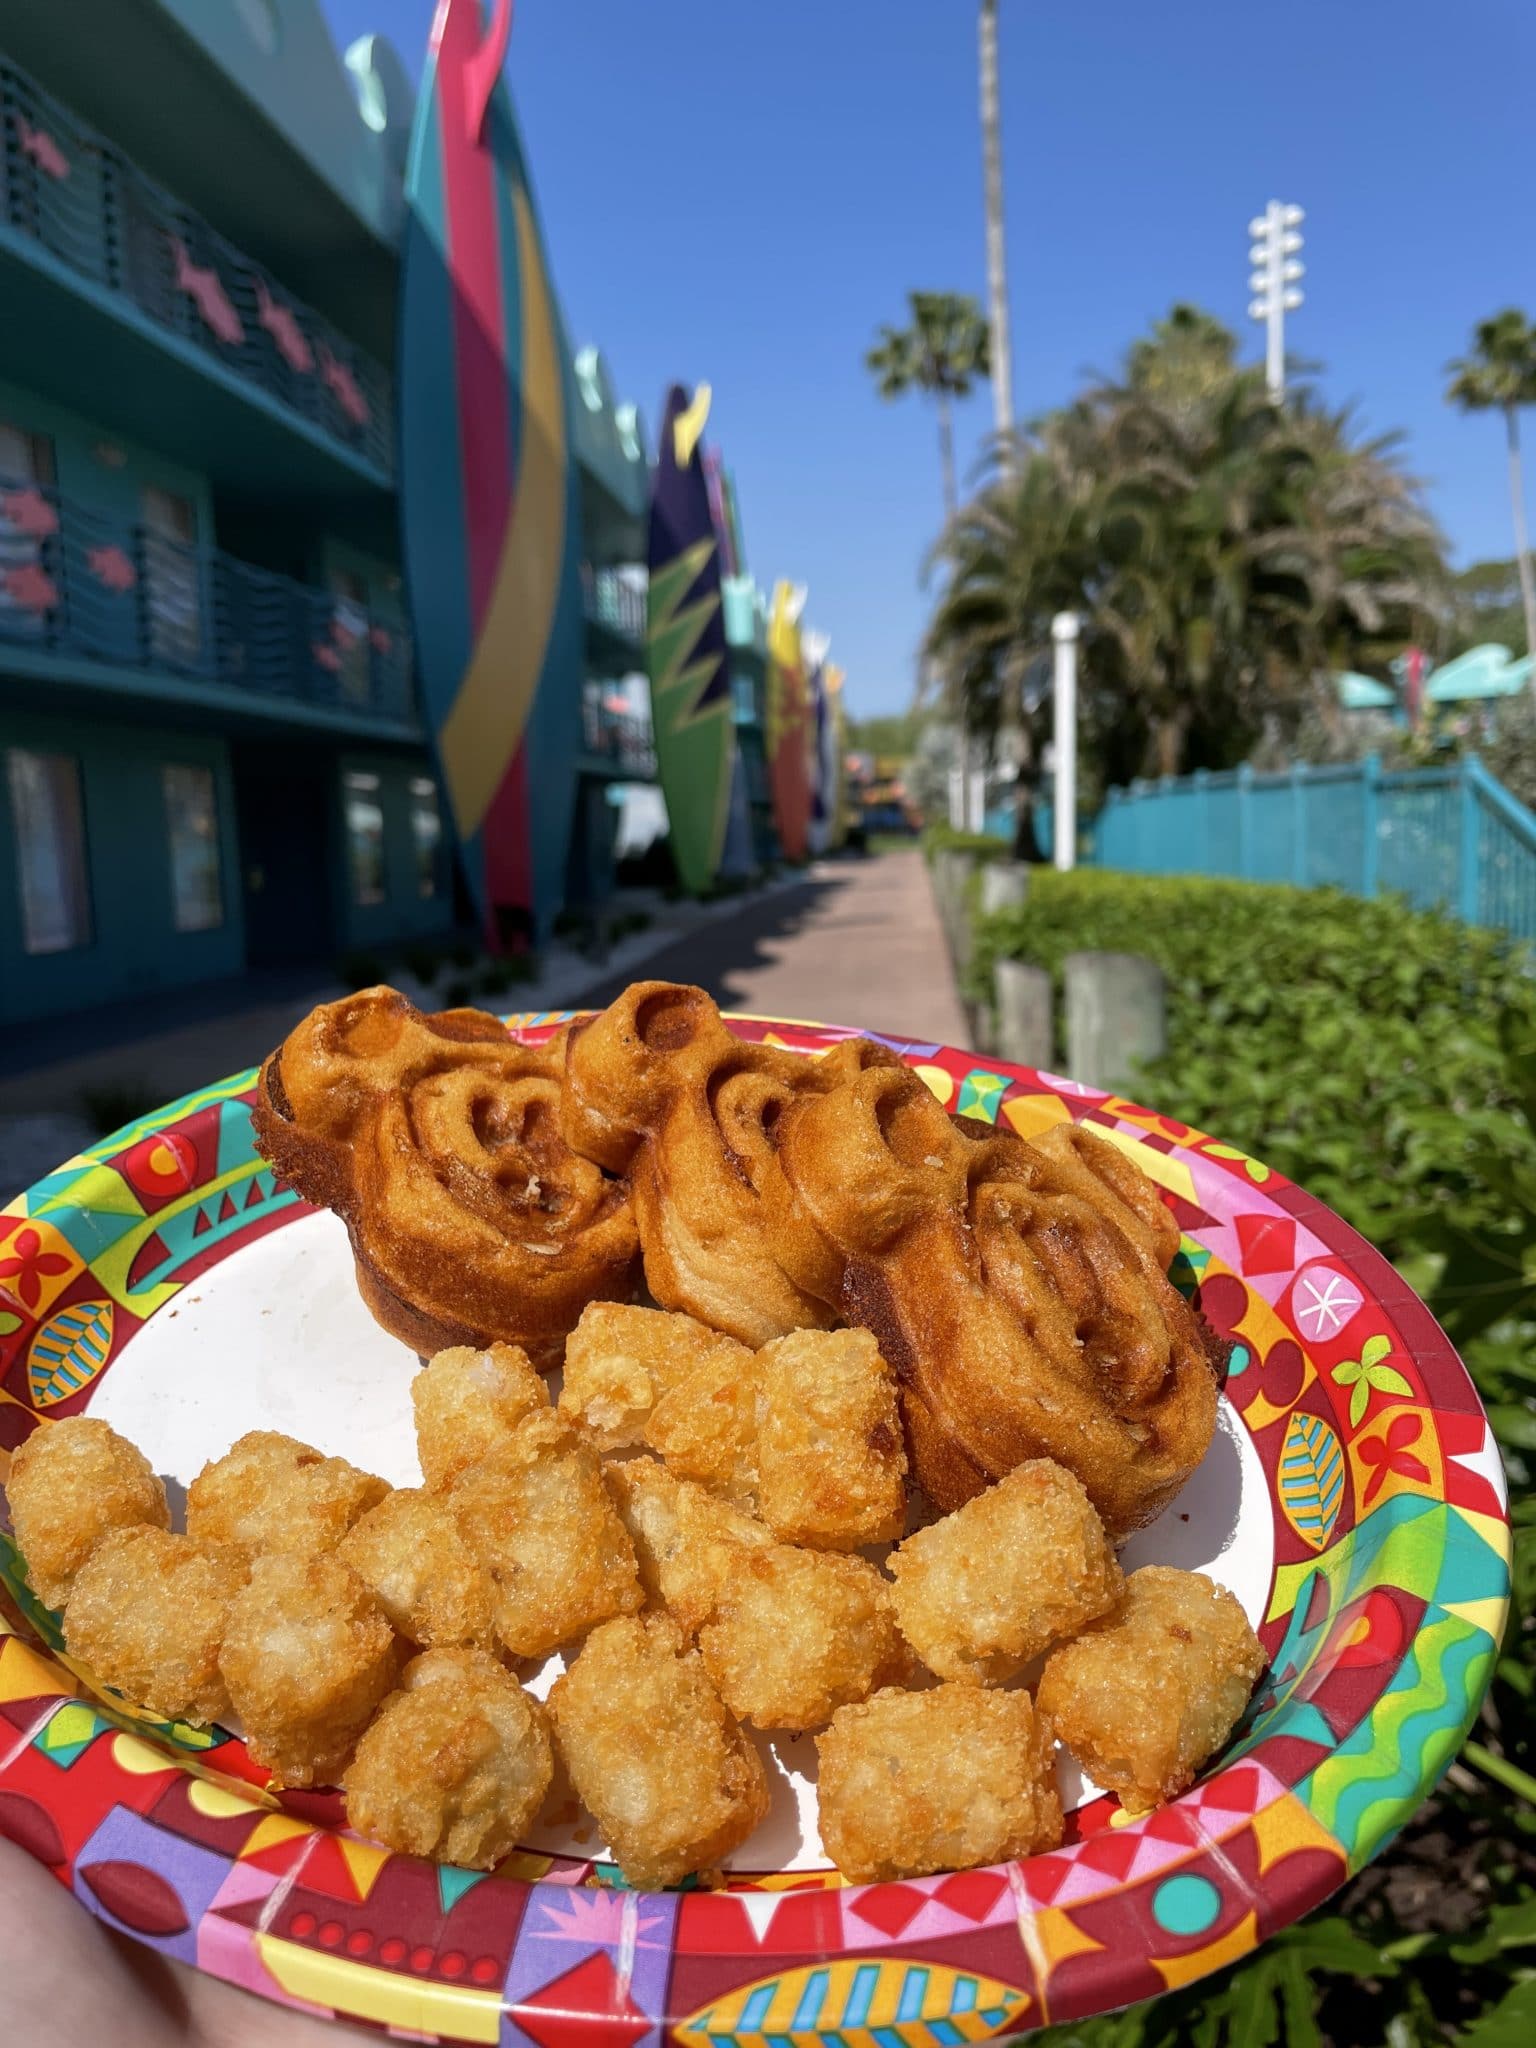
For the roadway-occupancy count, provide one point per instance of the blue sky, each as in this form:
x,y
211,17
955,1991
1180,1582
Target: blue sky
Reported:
x,y
743,191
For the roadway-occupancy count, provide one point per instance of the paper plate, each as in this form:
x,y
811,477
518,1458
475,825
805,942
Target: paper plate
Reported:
x,y
1352,1499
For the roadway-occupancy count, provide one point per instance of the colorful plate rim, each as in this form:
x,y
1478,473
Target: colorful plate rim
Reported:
x,y
1388,1602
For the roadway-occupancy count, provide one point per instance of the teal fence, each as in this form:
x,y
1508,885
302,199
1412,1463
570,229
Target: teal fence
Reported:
x,y
1450,837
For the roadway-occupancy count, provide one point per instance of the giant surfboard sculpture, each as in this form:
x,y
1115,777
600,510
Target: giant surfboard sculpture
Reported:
x,y
686,649
788,736
490,505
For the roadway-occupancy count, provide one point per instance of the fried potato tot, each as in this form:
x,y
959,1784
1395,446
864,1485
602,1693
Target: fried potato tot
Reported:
x,y
671,1779
992,1585
307,1657
1148,1695
643,1376
796,1634
688,1542
269,1492
831,1465
914,1782
147,1615
456,1763
539,1521
467,1404
411,1555
71,1483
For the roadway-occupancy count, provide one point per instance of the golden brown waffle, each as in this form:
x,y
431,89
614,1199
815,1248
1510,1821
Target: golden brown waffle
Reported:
x,y
656,1085
437,1140
1018,1294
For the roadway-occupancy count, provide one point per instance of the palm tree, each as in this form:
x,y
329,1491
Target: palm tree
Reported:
x,y
1228,556
942,353
997,254
1500,370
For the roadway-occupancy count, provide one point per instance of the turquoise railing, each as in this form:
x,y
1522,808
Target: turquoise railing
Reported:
x,y
67,190
78,588
1449,837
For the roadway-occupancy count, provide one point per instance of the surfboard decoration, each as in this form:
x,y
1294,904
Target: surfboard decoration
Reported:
x,y
787,738
813,647
490,502
686,651
836,743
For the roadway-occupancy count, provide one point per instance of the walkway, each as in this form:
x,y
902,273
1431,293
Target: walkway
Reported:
x,y
853,942
860,943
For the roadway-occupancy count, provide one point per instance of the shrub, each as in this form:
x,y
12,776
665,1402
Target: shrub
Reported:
x,y
945,839
361,970
424,963
1387,1060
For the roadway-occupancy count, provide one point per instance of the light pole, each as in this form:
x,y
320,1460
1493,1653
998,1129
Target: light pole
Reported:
x,y
1274,282
1064,738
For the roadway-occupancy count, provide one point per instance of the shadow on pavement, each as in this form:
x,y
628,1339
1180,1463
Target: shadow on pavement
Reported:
x,y
721,956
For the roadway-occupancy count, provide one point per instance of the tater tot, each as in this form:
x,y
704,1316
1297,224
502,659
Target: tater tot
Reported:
x,y
671,1779
270,1492
914,1782
688,1541
147,1615
992,1585
795,1634
831,1465
307,1657
71,1483
411,1555
540,1521
644,1376
467,1404
1148,1695
456,1763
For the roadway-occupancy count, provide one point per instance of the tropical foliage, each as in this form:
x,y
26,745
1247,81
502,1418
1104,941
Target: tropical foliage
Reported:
x,y
1499,372
942,353
1387,1059
1226,556
1484,607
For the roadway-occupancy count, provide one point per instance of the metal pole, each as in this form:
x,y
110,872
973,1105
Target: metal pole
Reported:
x,y
1064,737
1274,351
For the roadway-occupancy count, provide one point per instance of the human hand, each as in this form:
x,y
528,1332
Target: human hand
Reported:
x,y
69,1981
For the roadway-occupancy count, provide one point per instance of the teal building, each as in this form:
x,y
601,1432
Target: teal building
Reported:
x,y
212,758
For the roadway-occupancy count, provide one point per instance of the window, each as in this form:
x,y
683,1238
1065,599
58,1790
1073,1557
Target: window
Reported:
x,y
48,820
173,583
426,833
365,837
192,830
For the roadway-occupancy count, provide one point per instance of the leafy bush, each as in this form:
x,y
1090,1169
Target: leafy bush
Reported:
x,y
945,839
361,970
1387,1061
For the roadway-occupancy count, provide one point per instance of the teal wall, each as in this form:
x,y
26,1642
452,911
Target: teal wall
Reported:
x,y
135,948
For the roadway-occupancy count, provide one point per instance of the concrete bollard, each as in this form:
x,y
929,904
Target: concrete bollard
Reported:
x,y
982,1018
951,875
1025,1010
1117,1017
1004,886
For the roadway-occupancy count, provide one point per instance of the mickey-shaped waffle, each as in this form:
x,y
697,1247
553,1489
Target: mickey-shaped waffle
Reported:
x,y
1019,1292
657,1086
437,1140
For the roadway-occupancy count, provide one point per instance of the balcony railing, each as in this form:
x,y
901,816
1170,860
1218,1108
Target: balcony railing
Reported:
x,y
76,586
613,601
71,191
617,736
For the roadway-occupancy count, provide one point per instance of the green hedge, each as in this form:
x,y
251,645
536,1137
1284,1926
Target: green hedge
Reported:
x,y
1386,1060
945,839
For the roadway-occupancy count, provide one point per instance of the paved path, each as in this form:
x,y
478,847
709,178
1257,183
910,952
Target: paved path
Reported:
x,y
859,943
